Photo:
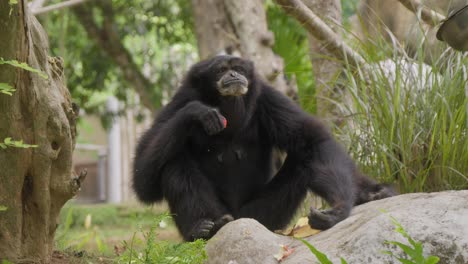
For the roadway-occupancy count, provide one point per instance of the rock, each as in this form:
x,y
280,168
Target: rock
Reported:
x,y
438,220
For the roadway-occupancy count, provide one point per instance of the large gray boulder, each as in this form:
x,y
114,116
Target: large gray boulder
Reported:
x,y
438,220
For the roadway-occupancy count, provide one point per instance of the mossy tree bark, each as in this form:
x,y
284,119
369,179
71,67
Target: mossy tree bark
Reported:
x,y
34,183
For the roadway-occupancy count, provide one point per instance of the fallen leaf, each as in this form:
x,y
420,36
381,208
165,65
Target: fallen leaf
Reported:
x,y
285,251
300,230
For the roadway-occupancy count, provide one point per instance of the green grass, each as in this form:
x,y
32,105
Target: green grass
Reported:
x,y
108,226
409,131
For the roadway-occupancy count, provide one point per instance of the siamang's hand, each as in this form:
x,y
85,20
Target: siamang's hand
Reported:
x,y
207,228
324,219
213,122
210,118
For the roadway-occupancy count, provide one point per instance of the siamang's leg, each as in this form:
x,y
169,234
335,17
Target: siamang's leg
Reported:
x,y
369,190
332,173
276,204
197,210
326,170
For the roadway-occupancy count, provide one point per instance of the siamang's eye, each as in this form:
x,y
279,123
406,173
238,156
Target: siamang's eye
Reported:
x,y
239,69
222,69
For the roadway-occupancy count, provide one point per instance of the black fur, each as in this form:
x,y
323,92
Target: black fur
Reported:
x,y
211,175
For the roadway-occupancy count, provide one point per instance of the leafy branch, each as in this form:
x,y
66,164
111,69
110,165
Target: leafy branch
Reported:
x,y
414,250
23,66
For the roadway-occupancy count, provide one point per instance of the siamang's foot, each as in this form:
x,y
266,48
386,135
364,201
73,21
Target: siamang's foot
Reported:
x,y
207,228
381,191
324,219
202,230
221,222
213,122
384,192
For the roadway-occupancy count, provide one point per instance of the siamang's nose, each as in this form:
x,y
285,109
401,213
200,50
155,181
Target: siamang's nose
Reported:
x,y
233,74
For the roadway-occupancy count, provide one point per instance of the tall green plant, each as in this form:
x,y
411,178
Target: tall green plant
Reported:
x,y
407,121
291,44
150,250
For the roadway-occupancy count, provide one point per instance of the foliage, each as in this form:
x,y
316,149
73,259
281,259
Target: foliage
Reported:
x,y
6,89
349,8
414,250
406,122
320,255
91,233
3,208
98,229
8,142
157,34
288,32
23,66
154,251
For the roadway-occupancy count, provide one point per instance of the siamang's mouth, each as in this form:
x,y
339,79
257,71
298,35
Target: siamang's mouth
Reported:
x,y
234,82
233,87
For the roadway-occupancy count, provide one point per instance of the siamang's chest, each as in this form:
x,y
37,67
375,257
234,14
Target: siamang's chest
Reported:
x,y
237,167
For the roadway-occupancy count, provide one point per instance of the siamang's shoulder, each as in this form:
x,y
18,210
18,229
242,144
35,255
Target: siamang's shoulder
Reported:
x,y
271,100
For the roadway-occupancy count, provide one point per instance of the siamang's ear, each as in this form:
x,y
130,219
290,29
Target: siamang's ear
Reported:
x,y
250,66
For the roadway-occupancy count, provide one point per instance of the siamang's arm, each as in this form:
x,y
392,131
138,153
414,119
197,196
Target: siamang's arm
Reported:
x,y
167,138
315,161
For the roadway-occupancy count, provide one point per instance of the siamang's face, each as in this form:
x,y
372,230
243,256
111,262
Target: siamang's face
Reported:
x,y
231,75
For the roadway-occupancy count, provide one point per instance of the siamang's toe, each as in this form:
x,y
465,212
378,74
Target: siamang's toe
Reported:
x,y
383,192
220,222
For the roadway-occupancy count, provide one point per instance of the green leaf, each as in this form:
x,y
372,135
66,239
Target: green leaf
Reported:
x,y
3,208
406,261
432,260
23,66
319,255
5,88
8,142
13,2
343,261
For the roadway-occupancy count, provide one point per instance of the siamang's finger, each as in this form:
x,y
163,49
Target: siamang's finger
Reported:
x,y
222,120
218,121
213,122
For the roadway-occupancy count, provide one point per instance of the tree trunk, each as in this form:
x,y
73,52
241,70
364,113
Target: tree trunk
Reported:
x,y
326,68
35,182
239,27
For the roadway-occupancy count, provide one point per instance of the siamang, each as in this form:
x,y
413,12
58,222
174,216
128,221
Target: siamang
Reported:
x,y
209,154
